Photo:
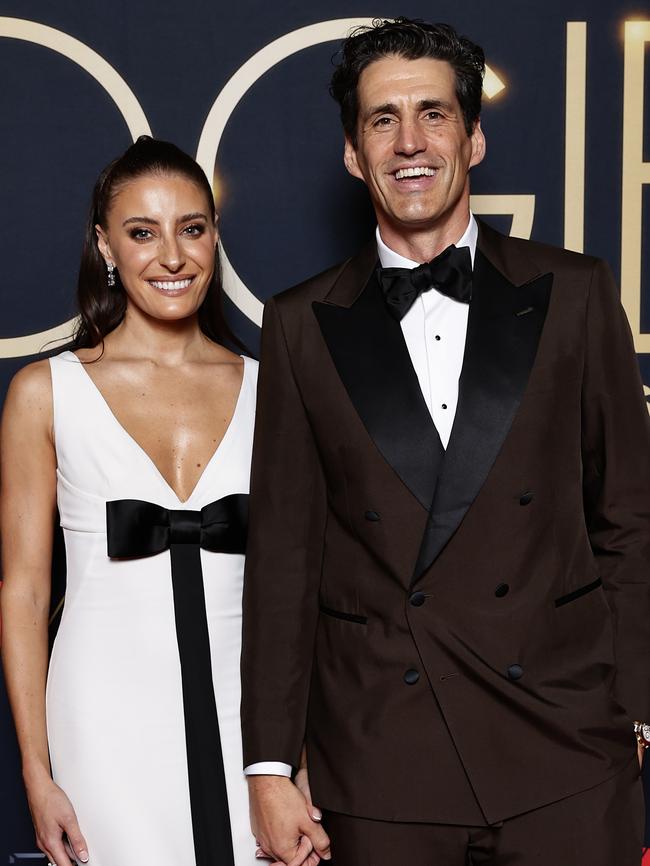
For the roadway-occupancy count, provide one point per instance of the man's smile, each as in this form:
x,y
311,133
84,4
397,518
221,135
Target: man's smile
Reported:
x,y
414,171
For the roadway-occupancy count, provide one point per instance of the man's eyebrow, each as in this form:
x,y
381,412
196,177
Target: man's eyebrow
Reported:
x,y
425,104
386,108
151,222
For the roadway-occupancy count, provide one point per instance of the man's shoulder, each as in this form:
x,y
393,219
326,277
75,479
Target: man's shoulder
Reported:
x,y
353,269
502,249
555,256
314,288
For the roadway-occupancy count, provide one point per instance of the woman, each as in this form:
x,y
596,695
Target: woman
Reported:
x,y
142,437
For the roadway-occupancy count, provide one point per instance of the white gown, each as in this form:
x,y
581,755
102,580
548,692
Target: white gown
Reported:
x,y
115,715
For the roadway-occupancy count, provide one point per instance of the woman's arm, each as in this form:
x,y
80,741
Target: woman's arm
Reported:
x,y
27,512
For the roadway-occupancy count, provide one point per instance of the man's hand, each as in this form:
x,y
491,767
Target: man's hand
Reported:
x,y
282,824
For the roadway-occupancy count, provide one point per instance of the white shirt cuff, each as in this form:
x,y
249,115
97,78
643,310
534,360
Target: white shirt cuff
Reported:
x,y
269,768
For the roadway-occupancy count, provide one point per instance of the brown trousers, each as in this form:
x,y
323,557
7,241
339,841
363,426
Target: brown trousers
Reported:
x,y
602,826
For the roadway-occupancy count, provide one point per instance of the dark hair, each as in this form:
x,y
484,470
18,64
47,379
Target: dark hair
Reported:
x,y
411,39
101,309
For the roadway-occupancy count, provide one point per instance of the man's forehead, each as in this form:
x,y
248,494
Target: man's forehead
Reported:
x,y
395,77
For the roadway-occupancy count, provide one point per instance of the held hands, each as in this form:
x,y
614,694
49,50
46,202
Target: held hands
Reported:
x,y
54,818
285,822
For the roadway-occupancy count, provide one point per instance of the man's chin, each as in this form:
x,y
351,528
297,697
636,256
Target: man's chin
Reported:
x,y
420,220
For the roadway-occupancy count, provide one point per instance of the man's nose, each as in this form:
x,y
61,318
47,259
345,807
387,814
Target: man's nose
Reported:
x,y
410,138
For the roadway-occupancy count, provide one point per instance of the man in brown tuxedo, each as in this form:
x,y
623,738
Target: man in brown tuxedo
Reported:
x,y
447,595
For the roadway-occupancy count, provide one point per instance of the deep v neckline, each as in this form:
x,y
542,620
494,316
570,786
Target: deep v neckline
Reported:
x,y
144,453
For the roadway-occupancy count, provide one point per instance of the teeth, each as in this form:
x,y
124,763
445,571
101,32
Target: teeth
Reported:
x,y
416,171
169,285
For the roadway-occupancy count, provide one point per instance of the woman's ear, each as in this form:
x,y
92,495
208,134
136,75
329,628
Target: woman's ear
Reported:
x,y
102,243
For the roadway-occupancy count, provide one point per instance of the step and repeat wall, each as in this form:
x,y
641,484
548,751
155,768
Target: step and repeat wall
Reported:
x,y
244,88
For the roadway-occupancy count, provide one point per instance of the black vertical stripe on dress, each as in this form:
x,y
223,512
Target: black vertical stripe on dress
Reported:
x,y
208,795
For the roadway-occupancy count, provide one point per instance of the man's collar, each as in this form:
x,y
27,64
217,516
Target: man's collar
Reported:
x,y
390,259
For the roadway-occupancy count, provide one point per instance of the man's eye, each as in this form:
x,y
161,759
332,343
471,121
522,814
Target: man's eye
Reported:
x,y
433,115
383,121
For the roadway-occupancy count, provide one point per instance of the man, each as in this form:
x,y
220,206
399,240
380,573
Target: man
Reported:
x,y
447,593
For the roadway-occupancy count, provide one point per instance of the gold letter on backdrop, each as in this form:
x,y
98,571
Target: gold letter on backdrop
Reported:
x,y
574,158
636,173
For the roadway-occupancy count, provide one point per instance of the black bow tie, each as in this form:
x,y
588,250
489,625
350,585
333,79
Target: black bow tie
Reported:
x,y
450,273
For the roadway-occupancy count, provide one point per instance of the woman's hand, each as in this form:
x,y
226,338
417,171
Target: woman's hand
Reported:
x,y
302,782
54,820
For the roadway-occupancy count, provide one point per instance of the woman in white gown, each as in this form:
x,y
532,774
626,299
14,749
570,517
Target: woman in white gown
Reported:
x,y
142,437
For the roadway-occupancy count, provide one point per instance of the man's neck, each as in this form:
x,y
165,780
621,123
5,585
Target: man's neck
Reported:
x,y
422,245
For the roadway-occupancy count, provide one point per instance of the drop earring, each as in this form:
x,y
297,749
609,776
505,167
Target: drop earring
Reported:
x,y
111,274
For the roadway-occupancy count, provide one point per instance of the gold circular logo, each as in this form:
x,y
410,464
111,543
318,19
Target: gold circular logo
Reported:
x,y
124,99
224,105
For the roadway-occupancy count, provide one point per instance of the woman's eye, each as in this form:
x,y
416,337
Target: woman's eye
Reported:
x,y
140,234
195,230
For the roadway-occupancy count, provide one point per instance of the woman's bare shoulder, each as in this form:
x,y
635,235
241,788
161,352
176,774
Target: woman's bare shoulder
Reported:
x,y
30,393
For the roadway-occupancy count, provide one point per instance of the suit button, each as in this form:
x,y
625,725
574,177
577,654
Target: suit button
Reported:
x,y
501,590
515,672
411,677
417,599
526,498
372,516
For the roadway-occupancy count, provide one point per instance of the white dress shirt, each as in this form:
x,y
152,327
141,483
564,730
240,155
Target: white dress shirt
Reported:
x,y
434,329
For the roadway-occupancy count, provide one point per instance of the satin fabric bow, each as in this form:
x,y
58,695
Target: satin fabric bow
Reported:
x,y
136,529
450,273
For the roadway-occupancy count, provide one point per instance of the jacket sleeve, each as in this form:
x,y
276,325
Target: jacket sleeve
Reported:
x,y
283,565
616,484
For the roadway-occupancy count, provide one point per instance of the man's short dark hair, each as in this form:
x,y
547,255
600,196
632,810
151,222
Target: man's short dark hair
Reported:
x,y
411,39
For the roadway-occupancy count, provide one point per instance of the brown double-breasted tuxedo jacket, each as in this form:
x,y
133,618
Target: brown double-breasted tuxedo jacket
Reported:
x,y
464,635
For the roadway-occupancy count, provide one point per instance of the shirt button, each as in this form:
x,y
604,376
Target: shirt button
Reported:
x,y
437,336
444,405
501,590
526,498
515,672
417,599
372,516
411,677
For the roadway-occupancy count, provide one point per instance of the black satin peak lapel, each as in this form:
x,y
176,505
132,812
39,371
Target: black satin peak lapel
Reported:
x,y
503,332
371,357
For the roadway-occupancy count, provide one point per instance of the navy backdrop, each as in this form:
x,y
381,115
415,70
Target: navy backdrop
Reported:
x,y
246,83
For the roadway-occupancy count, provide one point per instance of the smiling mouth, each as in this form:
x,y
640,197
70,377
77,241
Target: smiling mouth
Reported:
x,y
415,171
171,285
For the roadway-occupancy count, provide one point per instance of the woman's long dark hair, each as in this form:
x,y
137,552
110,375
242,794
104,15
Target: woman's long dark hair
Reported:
x,y
102,308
